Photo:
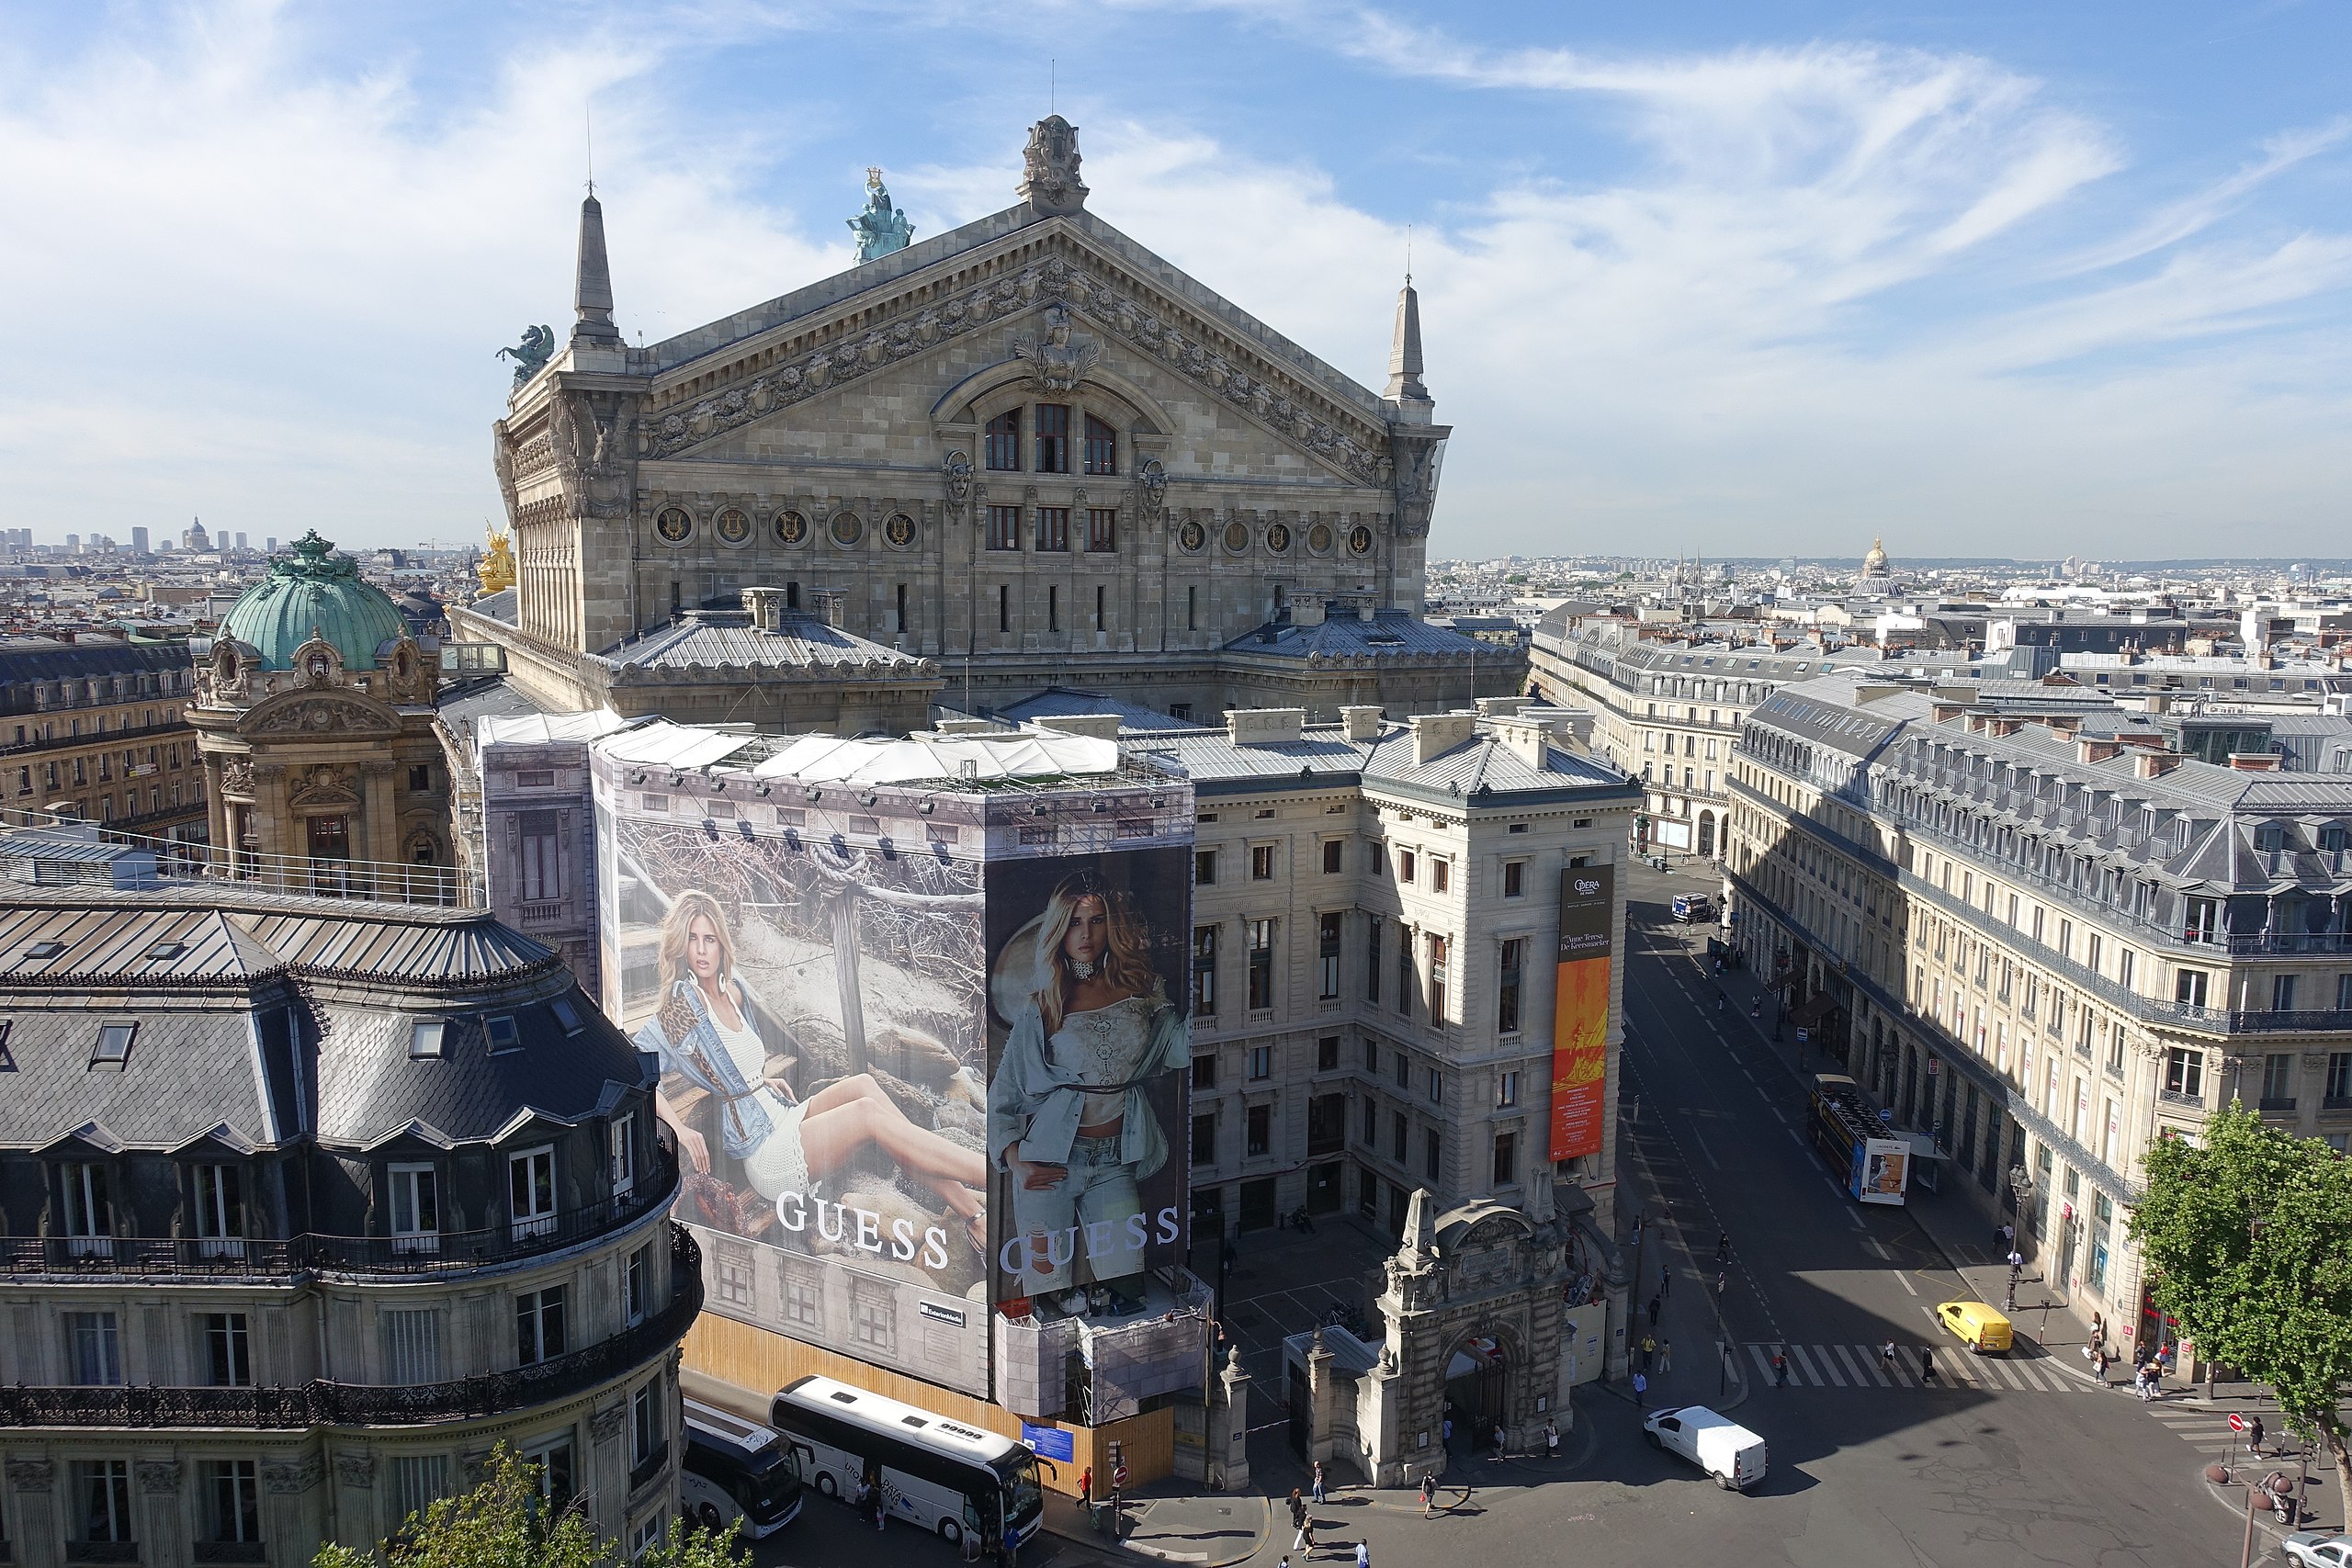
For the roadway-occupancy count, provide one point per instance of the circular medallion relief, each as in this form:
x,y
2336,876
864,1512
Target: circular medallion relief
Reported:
x,y
734,526
846,528
791,529
1318,538
1278,538
1237,537
1360,540
675,525
1192,536
900,531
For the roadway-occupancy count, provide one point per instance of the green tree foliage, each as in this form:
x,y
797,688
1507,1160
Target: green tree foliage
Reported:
x,y
505,1523
2244,1234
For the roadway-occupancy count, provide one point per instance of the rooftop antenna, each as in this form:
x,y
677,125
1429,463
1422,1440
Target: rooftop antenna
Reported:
x,y
588,119
1053,83
1408,255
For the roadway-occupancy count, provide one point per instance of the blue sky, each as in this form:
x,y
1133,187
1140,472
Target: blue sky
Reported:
x,y
1760,279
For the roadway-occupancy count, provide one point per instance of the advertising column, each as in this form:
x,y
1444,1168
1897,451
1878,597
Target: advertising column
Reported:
x,y
1581,1009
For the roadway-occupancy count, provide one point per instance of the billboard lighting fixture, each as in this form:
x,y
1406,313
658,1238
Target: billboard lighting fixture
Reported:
x,y
759,789
678,779
1038,809
924,806
869,798
814,792
718,786
637,776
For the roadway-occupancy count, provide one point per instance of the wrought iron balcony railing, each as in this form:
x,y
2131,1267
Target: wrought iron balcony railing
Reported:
x,y
322,1404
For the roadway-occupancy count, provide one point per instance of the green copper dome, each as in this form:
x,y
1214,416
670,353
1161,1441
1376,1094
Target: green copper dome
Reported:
x,y
314,593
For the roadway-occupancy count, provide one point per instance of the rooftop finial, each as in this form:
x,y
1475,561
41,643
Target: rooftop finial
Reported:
x,y
1049,181
1405,388
592,294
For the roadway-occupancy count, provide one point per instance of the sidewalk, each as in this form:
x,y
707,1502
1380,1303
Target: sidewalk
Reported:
x,y
1213,1528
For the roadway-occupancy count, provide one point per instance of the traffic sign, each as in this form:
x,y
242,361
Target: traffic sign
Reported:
x,y
2237,1422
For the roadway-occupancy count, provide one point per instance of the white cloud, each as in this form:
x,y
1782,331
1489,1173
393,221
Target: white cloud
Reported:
x,y
1835,290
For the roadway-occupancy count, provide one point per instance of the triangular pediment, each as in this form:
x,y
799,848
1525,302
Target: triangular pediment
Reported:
x,y
1117,301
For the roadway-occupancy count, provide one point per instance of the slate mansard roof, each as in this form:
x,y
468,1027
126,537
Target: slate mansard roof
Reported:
x,y
2192,826
261,1021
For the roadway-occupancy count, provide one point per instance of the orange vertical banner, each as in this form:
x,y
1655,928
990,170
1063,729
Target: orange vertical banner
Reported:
x,y
1581,1009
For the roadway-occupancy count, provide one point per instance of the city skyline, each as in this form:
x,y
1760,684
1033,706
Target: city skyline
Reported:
x,y
1791,275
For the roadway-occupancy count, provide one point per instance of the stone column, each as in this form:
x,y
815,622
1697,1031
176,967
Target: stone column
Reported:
x,y
1228,1434
382,840
1322,1441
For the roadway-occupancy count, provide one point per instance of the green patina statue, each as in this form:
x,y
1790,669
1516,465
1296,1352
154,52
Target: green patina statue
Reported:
x,y
536,349
881,228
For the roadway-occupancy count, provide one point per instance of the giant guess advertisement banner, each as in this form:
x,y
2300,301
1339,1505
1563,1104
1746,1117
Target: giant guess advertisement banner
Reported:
x,y
1581,1009
904,1089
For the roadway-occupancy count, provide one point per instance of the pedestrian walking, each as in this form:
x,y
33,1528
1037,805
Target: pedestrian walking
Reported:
x,y
1086,1487
2253,1434
1449,1434
1429,1496
1723,1277
1497,1457
1780,1368
1551,1440
1886,1359
1649,1348
1723,1247
1655,1304
1302,1524
1665,1281
1927,1364
1319,1498
1641,1392
1665,1357
1364,1555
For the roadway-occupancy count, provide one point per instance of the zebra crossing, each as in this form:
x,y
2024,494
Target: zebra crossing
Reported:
x,y
1861,1366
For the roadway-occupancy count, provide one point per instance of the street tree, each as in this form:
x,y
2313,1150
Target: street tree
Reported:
x,y
2243,1233
508,1522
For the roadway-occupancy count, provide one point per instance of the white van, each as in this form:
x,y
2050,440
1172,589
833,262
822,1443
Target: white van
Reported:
x,y
1735,1456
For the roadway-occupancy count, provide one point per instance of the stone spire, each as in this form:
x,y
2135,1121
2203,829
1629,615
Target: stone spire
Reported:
x,y
592,295
1421,1223
1405,389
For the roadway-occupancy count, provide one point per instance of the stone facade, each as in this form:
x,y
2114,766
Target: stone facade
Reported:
x,y
1021,449
326,778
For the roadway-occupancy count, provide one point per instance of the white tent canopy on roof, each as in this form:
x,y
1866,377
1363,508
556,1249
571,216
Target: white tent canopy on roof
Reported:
x,y
825,759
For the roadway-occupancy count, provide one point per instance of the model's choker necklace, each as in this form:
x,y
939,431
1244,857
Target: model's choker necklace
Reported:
x,y
1084,969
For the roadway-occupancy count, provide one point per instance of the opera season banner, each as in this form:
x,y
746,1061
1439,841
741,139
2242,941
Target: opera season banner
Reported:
x,y
1580,1008
820,1013
1089,1051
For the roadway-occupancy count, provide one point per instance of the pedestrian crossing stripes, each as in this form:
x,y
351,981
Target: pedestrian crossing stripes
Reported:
x,y
1862,1366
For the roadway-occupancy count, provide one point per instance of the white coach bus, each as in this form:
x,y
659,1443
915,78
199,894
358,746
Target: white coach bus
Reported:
x,y
937,1475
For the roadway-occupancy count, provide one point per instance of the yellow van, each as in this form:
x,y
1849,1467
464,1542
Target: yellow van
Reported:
x,y
1976,1325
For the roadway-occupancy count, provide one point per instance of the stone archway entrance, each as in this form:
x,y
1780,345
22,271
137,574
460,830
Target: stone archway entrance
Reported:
x,y
1477,1391
1707,834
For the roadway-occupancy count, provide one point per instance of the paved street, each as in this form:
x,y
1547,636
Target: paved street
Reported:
x,y
2006,1462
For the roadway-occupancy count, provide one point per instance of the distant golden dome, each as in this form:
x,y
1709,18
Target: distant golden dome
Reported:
x,y
1874,563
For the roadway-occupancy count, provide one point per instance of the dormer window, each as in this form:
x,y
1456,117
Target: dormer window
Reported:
x,y
566,1015
503,1036
427,1038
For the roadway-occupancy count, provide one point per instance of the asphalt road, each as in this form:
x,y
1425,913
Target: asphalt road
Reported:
x,y
2030,1466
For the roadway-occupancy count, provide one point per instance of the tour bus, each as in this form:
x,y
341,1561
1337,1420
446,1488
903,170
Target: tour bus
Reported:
x,y
936,1473
1874,1165
735,1469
